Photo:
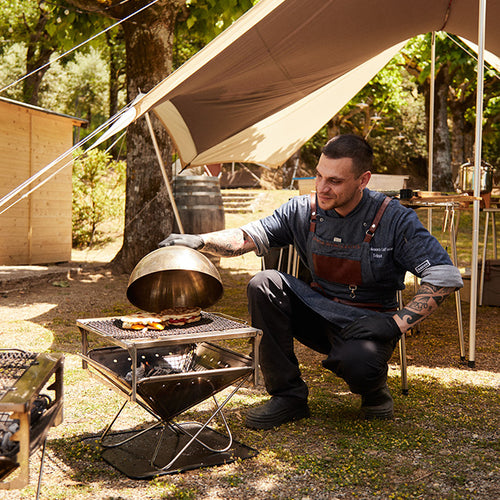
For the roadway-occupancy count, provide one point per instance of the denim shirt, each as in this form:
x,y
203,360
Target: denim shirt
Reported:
x,y
401,243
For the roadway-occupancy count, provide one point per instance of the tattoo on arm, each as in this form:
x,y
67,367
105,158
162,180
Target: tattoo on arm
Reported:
x,y
228,243
427,299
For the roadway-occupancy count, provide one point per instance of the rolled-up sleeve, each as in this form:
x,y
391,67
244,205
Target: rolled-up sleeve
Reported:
x,y
256,233
443,276
287,225
420,253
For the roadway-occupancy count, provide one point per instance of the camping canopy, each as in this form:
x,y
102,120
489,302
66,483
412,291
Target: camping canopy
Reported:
x,y
269,82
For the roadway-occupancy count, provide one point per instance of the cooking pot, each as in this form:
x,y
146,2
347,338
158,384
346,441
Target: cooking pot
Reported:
x,y
466,174
174,276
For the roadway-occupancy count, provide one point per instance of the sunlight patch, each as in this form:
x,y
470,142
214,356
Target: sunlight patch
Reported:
x,y
27,311
26,335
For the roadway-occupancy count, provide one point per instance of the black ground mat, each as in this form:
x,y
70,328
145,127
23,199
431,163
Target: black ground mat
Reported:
x,y
133,458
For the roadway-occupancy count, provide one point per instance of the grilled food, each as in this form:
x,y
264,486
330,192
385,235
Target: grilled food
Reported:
x,y
175,316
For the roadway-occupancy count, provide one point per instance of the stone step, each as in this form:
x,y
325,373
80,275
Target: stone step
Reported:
x,y
242,199
242,196
237,202
238,210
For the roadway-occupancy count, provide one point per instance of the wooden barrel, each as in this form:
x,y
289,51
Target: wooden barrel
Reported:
x,y
199,202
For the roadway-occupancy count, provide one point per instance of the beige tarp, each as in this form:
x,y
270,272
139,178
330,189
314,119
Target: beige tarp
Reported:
x,y
270,81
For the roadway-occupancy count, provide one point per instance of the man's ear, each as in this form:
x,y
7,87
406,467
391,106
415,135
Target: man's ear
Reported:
x,y
365,178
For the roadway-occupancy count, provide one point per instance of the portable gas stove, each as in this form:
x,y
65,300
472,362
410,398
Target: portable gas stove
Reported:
x,y
26,414
167,372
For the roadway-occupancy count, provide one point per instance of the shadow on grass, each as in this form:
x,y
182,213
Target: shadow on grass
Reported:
x,y
443,443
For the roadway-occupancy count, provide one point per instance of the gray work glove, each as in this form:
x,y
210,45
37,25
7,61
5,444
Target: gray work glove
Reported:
x,y
193,241
380,328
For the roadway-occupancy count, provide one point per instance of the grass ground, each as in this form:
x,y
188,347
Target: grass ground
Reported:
x,y
443,443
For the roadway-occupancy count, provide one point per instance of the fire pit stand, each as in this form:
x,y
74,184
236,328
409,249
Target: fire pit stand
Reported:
x,y
166,373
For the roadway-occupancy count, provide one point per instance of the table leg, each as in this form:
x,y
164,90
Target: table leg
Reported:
x,y
458,304
483,264
494,229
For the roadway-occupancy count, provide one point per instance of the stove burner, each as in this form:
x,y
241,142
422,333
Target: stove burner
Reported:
x,y
8,427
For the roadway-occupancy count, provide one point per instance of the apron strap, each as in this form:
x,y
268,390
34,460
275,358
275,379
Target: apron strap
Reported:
x,y
312,221
371,230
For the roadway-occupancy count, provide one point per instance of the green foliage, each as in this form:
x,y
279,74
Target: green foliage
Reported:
x,y
57,25
44,29
208,18
199,21
311,150
390,112
98,195
12,63
79,88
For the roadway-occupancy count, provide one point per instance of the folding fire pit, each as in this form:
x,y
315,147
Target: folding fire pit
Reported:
x,y
168,372
27,413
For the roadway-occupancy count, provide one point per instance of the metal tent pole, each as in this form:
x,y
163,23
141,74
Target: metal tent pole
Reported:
x,y
432,97
164,173
477,175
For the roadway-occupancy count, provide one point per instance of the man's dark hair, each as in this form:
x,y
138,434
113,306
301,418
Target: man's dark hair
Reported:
x,y
350,146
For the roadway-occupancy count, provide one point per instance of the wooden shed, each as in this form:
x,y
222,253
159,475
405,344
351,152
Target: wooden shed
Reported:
x,y
37,230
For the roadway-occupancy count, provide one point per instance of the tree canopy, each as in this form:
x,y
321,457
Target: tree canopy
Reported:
x,y
157,36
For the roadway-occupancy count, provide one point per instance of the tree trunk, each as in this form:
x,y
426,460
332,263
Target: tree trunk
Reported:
x,y
116,70
442,178
462,137
113,41
290,169
37,55
148,213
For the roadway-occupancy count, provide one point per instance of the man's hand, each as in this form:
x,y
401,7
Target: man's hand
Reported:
x,y
193,241
381,328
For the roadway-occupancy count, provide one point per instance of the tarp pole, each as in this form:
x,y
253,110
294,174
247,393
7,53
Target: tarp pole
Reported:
x,y
432,91
477,179
164,173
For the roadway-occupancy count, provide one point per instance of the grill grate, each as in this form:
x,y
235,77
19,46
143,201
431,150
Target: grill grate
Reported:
x,y
13,363
208,323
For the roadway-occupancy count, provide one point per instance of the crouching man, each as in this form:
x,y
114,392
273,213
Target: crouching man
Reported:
x,y
358,245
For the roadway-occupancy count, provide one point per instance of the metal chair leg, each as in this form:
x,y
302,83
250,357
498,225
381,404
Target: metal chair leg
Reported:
x,y
403,362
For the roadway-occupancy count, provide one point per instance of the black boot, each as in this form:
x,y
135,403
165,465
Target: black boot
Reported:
x,y
278,410
378,404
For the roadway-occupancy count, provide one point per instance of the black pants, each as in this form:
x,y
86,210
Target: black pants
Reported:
x,y
282,316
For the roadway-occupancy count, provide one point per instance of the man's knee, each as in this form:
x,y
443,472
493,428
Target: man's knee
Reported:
x,y
262,283
262,278
360,363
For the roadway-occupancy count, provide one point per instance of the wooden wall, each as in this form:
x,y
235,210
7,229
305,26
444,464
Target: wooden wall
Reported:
x,y
38,229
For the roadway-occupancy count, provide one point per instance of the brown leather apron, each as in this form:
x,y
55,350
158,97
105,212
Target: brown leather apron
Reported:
x,y
341,263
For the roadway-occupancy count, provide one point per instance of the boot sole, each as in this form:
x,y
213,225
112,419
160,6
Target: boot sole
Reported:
x,y
271,421
383,412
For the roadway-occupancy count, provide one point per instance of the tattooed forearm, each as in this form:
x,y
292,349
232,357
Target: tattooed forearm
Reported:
x,y
227,243
427,299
